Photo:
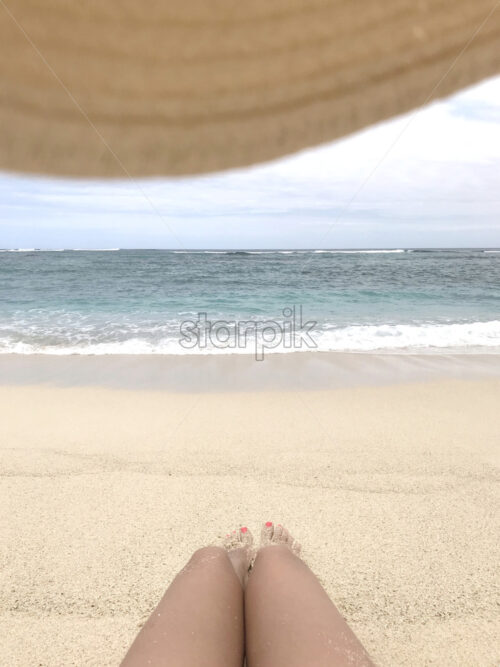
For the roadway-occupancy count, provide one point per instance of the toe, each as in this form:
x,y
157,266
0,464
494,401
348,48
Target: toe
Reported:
x,y
241,538
267,532
279,534
246,536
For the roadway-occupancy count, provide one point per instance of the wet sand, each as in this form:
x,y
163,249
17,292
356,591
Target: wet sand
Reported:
x,y
240,372
387,472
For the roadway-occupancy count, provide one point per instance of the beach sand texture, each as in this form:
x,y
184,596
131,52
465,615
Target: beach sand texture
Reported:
x,y
392,491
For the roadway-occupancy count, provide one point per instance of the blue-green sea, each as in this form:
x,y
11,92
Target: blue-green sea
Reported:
x,y
157,301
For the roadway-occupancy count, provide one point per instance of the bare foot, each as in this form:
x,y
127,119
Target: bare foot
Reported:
x,y
278,535
239,547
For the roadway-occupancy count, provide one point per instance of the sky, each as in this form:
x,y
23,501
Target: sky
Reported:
x,y
427,179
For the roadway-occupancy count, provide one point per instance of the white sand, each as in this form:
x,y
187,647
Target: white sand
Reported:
x,y
392,491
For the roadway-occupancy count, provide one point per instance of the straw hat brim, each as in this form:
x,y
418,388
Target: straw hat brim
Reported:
x,y
110,89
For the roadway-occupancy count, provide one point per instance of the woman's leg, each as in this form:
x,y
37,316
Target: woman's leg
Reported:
x,y
290,620
200,619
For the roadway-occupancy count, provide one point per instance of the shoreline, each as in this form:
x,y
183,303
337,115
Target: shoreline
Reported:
x,y
241,372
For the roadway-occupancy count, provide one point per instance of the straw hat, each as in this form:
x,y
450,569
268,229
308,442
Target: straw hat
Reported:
x,y
143,87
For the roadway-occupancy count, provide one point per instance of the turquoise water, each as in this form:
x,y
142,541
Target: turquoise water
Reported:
x,y
135,301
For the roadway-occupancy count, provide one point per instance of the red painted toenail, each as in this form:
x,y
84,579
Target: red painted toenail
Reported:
x,y
244,529
269,524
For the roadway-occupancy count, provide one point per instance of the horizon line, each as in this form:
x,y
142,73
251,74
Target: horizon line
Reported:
x,y
248,249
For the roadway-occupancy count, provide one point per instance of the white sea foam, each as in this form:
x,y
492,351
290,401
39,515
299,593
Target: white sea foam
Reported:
x,y
452,337
360,252
59,249
20,250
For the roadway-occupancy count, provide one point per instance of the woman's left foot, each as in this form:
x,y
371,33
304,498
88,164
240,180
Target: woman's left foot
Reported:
x,y
239,547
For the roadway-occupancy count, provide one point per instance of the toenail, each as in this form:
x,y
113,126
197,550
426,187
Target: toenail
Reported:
x,y
244,529
269,524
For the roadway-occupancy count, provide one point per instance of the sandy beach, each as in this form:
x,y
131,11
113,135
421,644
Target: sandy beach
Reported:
x,y
385,468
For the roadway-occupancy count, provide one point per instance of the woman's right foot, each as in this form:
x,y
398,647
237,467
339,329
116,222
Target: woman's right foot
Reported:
x,y
239,547
278,535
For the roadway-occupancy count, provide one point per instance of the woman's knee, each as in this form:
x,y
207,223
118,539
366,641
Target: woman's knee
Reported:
x,y
209,556
274,557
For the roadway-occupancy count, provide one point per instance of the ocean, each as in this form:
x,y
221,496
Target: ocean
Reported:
x,y
235,301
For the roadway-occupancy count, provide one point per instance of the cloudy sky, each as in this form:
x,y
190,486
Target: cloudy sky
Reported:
x,y
427,179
